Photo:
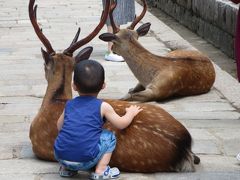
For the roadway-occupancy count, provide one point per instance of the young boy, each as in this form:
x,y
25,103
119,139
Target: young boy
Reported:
x,y
82,142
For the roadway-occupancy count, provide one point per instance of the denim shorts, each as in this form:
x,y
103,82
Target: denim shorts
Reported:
x,y
106,144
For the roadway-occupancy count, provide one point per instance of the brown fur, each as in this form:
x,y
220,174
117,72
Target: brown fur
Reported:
x,y
154,141
58,73
43,130
179,73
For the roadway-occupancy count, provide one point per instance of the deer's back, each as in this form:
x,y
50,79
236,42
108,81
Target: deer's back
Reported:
x,y
154,141
194,72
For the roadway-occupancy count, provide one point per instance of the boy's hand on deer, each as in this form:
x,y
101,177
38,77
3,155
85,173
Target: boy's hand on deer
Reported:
x,y
134,110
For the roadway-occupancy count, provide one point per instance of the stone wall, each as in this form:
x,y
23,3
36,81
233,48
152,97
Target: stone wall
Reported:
x,y
214,20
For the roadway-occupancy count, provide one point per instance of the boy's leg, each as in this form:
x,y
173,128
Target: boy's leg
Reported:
x,y
63,170
103,171
103,163
107,145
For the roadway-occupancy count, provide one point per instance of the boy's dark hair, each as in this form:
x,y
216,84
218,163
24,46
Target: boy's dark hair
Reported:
x,y
88,76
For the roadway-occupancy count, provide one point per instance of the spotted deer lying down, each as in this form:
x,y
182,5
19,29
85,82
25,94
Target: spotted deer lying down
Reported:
x,y
58,73
179,73
154,142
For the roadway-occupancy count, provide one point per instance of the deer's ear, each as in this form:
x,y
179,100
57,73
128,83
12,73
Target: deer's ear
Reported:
x,y
46,56
143,29
108,37
84,54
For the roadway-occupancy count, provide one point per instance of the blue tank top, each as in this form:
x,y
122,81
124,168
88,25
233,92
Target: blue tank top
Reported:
x,y
78,139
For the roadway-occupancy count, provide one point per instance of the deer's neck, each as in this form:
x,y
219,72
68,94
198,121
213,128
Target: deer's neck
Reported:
x,y
136,52
59,89
142,63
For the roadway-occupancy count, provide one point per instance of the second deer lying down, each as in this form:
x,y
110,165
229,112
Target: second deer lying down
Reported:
x,y
179,73
155,141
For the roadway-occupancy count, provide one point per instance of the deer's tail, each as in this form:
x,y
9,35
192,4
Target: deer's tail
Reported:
x,y
186,159
187,164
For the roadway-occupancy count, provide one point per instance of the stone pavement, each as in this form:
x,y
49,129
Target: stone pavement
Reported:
x,y
213,119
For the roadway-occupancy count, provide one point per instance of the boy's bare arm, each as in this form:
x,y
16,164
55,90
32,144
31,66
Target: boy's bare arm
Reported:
x,y
60,121
119,122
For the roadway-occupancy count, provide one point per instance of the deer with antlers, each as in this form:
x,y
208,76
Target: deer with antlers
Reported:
x,y
58,73
155,141
179,73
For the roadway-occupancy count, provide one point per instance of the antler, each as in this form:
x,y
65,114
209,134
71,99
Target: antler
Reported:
x,y
113,6
33,18
138,18
75,45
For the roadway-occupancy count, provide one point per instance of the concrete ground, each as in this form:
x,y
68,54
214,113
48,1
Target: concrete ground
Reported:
x,y
213,119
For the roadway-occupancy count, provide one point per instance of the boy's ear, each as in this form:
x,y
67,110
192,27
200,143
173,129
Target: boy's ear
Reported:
x,y
74,87
143,29
104,85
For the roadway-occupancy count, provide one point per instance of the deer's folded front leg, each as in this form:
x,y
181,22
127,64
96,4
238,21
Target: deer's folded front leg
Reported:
x,y
162,86
146,95
137,88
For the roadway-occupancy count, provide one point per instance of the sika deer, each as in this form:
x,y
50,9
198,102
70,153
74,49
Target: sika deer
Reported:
x,y
179,73
58,72
155,141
